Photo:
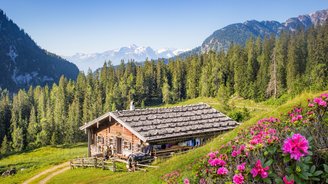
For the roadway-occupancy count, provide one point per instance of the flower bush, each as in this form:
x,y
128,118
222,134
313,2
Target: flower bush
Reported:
x,y
291,149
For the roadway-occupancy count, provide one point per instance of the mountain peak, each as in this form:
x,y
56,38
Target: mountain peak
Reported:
x,y
131,52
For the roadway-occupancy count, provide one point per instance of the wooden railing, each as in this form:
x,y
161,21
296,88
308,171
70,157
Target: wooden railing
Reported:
x,y
95,162
110,164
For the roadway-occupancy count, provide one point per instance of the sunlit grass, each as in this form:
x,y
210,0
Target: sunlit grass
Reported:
x,y
30,163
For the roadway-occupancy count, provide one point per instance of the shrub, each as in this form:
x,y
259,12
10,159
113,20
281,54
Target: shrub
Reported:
x,y
284,150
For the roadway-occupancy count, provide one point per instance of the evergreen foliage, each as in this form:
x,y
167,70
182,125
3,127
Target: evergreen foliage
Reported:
x,y
273,67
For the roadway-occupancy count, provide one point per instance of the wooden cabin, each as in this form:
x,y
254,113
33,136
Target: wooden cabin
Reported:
x,y
154,130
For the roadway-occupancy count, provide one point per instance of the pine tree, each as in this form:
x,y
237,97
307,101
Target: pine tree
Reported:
x,y
33,129
240,66
204,82
263,75
192,78
252,68
43,137
166,92
17,139
5,148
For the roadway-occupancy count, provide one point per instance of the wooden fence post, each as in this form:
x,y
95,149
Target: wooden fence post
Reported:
x,y
95,162
114,165
103,164
82,161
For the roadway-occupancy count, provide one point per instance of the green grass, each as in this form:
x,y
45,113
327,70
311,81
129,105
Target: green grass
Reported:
x,y
33,162
30,163
180,162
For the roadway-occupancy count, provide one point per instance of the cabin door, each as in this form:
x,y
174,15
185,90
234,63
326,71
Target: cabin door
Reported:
x,y
119,145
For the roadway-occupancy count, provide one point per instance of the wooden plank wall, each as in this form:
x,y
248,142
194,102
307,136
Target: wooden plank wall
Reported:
x,y
106,135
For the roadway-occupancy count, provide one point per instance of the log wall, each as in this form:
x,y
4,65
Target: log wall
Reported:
x,y
107,134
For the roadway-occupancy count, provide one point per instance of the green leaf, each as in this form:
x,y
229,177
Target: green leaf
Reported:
x,y
267,180
298,180
325,167
315,179
278,180
289,169
286,159
303,176
312,169
307,159
317,173
268,163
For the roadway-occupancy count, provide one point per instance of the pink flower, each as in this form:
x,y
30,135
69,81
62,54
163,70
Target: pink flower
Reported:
x,y
242,147
202,181
286,181
238,179
296,118
186,181
234,153
320,102
212,155
259,170
222,171
323,103
241,167
297,146
311,105
324,95
217,162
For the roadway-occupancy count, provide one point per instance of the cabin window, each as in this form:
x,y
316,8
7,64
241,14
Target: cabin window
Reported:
x,y
110,141
127,145
100,139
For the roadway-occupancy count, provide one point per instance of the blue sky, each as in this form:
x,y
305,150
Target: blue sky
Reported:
x,y
69,26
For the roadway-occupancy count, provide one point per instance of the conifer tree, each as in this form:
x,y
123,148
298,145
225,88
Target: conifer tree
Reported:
x,y
167,97
5,146
33,129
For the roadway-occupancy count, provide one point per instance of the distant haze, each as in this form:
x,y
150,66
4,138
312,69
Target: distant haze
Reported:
x,y
94,61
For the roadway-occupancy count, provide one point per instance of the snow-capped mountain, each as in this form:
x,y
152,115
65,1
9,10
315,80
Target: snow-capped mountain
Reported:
x,y
132,52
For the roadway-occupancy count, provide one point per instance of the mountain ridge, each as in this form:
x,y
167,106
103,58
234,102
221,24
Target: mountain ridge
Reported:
x,y
24,63
239,33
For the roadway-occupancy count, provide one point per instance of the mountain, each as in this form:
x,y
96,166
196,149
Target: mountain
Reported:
x,y
239,33
24,63
132,52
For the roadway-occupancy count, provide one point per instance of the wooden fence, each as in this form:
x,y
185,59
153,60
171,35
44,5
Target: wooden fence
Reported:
x,y
95,162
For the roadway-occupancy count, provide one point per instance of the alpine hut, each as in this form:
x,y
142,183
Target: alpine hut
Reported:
x,y
154,130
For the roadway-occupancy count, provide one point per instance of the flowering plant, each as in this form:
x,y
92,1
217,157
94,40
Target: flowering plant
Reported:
x,y
273,150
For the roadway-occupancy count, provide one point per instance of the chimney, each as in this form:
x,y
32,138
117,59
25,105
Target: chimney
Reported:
x,y
131,106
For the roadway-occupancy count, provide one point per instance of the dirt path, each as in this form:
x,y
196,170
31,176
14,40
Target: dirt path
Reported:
x,y
45,180
63,166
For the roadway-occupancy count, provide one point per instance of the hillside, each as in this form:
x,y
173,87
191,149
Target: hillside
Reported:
x,y
24,63
181,163
32,162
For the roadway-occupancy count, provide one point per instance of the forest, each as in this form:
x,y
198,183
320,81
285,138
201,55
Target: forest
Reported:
x,y
262,69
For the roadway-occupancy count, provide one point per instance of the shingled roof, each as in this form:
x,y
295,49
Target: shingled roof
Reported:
x,y
162,123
